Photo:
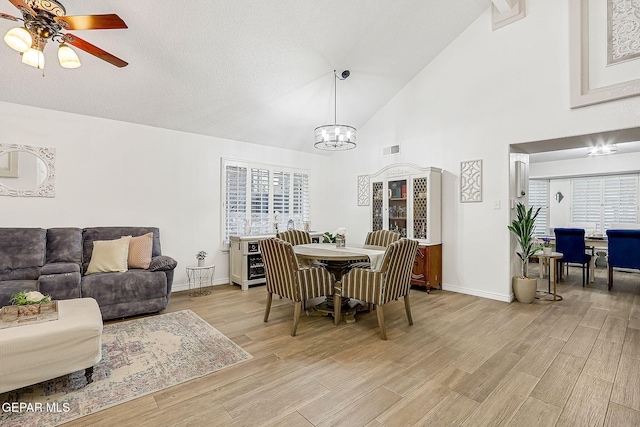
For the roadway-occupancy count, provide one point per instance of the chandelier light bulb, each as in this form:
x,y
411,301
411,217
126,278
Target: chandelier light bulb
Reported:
x,y
18,39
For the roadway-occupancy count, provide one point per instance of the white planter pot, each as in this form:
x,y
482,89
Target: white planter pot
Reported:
x,y
547,250
525,289
200,263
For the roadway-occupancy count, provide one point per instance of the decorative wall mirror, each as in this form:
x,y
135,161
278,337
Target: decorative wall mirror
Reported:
x,y
27,171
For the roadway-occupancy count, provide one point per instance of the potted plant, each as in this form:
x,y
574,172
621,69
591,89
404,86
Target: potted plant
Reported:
x,y
546,245
200,256
525,287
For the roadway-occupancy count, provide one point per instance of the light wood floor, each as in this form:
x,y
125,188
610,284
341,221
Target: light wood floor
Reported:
x,y
466,361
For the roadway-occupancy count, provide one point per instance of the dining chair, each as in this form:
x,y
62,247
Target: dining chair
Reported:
x,y
295,237
287,279
624,251
382,238
379,287
570,242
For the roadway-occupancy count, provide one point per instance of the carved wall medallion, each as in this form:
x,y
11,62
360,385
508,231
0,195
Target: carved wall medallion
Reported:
x,y
471,181
363,190
623,30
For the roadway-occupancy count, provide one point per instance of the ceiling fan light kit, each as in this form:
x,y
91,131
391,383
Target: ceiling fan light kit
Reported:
x,y
335,137
18,39
46,20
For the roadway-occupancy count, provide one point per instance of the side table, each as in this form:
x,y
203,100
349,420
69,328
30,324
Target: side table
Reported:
x,y
552,258
200,279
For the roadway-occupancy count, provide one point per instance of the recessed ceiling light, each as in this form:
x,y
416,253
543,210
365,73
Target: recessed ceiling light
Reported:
x,y
602,150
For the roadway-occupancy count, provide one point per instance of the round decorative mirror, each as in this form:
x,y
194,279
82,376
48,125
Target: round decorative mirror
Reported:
x,y
26,171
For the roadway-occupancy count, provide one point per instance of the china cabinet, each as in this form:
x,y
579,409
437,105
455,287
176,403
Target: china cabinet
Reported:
x,y
407,198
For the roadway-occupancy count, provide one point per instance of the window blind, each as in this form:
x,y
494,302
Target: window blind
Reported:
x,y
281,197
255,192
605,200
235,199
539,198
259,201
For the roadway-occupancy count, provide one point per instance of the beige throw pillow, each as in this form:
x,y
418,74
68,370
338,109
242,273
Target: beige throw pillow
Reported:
x,y
140,251
109,256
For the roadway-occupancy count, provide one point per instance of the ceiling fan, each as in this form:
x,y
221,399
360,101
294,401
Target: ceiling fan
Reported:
x,y
46,20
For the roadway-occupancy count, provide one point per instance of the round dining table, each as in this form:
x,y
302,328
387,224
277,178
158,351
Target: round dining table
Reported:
x,y
337,261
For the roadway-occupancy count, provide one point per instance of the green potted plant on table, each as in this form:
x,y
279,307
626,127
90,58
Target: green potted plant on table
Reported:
x,y
200,256
525,287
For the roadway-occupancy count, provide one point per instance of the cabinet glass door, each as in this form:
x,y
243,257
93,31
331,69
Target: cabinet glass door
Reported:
x,y
398,206
420,208
377,204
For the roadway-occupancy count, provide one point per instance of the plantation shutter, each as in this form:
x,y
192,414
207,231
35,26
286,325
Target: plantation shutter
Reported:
x,y
586,201
260,201
300,199
539,198
620,200
235,199
281,196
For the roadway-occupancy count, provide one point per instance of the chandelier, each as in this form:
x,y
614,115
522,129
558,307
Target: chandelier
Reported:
x,y
336,137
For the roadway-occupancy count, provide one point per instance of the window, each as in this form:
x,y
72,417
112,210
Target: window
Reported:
x,y
539,198
605,200
255,192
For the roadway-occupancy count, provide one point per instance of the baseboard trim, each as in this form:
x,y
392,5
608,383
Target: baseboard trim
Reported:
x,y
478,293
185,286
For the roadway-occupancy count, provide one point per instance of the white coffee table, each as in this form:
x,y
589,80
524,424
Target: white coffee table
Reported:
x,y
34,353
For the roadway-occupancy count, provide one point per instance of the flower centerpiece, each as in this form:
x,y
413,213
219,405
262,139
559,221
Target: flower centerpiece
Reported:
x,y
200,256
546,245
28,302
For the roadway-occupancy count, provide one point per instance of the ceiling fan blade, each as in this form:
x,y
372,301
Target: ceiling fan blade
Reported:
x,y
22,6
91,22
9,17
94,50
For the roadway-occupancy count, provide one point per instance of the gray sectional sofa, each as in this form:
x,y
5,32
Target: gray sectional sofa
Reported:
x,y
54,261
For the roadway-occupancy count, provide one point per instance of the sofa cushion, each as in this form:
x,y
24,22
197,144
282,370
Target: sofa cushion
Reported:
x,y
64,245
60,268
131,287
10,286
109,255
22,247
91,234
140,248
162,263
31,273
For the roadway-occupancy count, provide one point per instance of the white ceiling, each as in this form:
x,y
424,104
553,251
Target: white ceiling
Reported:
x,y
249,70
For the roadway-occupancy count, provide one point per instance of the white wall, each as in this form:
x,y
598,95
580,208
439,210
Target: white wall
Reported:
x,y
116,173
487,90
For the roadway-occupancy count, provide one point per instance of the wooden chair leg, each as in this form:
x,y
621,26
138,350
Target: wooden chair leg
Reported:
x,y
268,307
337,308
383,328
407,307
296,317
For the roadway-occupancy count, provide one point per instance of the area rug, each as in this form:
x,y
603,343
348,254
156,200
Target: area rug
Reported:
x,y
139,357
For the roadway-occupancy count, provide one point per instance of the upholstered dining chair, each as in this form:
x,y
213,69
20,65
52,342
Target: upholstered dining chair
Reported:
x,y
287,279
624,251
391,282
295,237
570,242
381,238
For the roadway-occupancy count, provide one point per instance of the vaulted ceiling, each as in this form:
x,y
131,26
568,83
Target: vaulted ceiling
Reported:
x,y
249,70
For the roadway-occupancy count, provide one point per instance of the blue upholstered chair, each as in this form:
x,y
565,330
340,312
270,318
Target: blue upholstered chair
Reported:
x,y
570,242
624,250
